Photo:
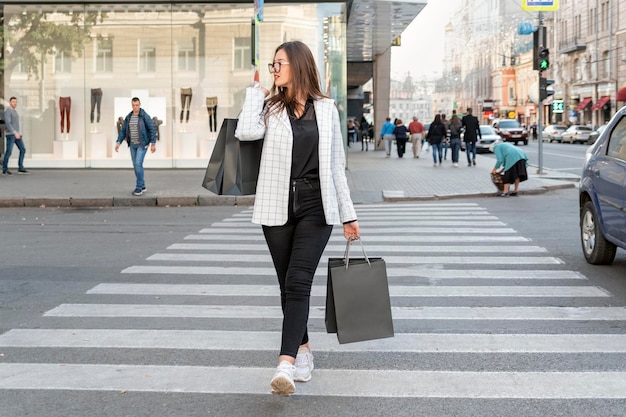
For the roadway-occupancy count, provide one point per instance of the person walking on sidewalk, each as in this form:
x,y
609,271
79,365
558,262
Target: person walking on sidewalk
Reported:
x,y
416,129
445,143
514,161
436,134
13,137
364,128
386,134
455,139
471,135
302,191
400,132
140,133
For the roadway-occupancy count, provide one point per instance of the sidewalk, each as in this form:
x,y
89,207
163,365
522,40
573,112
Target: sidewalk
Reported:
x,y
371,176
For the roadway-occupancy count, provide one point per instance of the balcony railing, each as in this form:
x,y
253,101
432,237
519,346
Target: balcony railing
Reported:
x,y
569,45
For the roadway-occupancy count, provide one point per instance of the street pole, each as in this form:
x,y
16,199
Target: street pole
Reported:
x,y
542,43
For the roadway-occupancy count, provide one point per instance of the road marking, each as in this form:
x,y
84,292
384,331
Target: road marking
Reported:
x,y
469,218
326,383
414,272
320,290
388,223
401,228
339,249
322,342
466,260
317,312
371,239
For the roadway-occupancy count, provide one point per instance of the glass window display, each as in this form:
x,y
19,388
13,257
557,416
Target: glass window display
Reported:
x,y
75,67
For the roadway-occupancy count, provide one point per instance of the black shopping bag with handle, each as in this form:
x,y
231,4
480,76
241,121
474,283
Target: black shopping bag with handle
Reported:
x,y
233,168
358,307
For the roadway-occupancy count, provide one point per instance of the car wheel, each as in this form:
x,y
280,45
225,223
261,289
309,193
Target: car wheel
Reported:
x,y
597,250
526,142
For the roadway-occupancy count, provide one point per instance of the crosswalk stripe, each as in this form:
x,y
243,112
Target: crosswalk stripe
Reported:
x,y
322,342
416,272
389,223
466,217
400,228
317,312
326,383
339,249
320,290
466,260
378,239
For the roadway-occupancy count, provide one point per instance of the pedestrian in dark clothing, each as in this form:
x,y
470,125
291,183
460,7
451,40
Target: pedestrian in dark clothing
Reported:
x,y
402,135
436,135
455,139
472,133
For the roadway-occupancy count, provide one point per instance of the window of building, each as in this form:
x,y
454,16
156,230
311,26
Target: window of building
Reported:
x,y
604,16
104,55
605,70
62,62
242,53
577,26
591,18
578,70
147,56
187,55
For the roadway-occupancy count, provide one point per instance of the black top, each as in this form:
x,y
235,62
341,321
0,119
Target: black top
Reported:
x,y
400,132
436,133
305,159
472,128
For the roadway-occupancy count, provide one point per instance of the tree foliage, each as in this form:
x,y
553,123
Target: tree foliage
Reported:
x,y
29,37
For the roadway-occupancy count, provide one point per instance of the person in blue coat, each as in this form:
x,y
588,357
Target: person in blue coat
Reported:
x,y
514,161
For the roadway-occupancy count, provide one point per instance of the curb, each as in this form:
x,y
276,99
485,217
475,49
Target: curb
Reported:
x,y
86,202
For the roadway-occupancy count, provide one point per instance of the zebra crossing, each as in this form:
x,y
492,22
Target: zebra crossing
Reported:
x,y
461,282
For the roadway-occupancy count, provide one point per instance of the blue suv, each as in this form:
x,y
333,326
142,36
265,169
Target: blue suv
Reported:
x,y
602,198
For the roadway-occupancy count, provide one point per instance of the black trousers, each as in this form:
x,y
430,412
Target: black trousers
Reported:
x,y
96,101
296,248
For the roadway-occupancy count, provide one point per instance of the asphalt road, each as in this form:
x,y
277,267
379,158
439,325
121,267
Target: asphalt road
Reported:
x,y
56,260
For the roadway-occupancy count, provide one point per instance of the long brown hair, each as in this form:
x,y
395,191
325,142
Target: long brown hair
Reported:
x,y
305,78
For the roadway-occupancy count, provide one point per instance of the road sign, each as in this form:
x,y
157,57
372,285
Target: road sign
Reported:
x,y
558,106
540,5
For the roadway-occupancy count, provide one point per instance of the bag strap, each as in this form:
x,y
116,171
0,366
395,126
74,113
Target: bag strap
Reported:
x,y
346,253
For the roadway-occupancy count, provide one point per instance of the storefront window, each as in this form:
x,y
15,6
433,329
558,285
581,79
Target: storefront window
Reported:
x,y
74,69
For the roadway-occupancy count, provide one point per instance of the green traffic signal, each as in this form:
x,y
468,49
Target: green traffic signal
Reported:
x,y
544,61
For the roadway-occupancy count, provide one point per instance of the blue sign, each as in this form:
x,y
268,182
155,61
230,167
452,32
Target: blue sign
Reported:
x,y
540,5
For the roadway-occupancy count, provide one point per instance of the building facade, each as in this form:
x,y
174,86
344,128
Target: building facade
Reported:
x,y
74,69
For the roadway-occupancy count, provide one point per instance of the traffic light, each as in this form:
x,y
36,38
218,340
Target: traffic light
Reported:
x,y
544,83
544,59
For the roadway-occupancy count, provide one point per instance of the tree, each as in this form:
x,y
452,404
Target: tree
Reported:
x,y
28,37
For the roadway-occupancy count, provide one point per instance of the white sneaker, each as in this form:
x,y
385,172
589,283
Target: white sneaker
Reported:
x,y
282,383
304,365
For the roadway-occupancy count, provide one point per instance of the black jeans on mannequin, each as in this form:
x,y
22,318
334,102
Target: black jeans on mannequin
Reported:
x,y
296,248
96,101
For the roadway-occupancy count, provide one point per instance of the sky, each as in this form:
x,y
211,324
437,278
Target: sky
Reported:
x,y
421,52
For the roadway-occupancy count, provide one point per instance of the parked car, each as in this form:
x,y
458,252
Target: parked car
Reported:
x,y
553,132
602,194
593,136
576,134
510,130
488,136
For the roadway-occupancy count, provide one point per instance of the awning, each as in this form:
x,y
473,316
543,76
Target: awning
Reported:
x,y
601,102
581,106
621,94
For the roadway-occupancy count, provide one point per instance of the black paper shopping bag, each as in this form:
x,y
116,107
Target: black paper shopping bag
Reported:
x,y
358,307
233,168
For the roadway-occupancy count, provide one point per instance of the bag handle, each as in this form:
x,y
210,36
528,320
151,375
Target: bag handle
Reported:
x,y
346,253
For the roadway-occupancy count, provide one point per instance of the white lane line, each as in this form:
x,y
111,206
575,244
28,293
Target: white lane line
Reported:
x,y
466,260
403,217
326,383
339,249
376,239
320,290
321,342
317,312
382,223
401,228
416,272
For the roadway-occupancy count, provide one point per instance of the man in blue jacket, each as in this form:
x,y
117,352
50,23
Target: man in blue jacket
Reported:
x,y
140,133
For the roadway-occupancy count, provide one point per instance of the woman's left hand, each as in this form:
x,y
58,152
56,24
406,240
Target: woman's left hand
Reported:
x,y
351,231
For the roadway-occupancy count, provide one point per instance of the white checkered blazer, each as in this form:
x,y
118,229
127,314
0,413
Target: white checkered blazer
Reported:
x,y
272,192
